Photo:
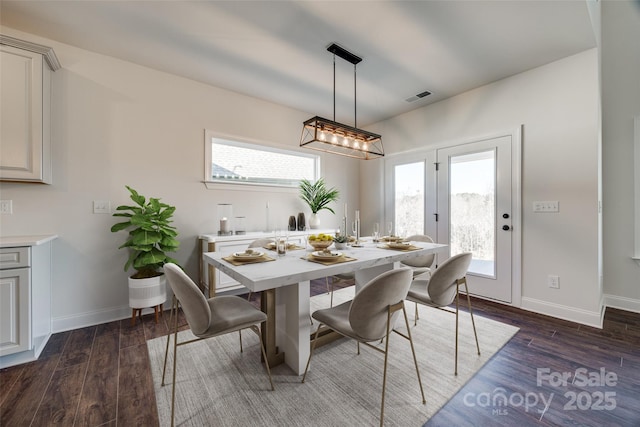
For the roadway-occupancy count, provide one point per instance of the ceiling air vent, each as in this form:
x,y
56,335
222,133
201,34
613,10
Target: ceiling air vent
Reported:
x,y
418,96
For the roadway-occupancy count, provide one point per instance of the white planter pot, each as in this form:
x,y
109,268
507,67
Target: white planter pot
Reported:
x,y
148,292
314,221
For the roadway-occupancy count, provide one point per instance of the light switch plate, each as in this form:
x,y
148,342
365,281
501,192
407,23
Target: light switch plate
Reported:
x,y
101,207
546,206
6,207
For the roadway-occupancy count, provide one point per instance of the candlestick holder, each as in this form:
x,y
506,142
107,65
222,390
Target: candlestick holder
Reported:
x,y
225,216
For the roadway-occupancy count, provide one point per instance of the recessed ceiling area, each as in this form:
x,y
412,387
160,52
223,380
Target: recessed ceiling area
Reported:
x,y
277,50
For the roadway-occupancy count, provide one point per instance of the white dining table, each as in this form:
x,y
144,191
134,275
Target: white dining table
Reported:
x,y
285,287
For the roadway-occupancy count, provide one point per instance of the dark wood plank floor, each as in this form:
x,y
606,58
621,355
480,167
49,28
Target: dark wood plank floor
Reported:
x,y
100,375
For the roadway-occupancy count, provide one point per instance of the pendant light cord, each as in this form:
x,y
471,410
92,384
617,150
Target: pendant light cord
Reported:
x,y
334,87
355,97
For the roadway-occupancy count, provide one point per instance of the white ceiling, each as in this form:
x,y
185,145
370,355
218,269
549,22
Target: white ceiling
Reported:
x,y
276,50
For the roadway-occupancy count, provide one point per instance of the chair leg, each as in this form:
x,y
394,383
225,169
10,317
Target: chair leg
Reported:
x,y
166,350
473,323
313,346
415,321
264,354
175,365
240,334
329,289
413,351
384,374
457,302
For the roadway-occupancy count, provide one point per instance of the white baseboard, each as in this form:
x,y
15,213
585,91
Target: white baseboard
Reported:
x,y
572,314
91,318
622,303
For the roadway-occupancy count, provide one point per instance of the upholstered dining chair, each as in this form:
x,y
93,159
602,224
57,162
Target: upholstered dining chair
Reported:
x,y
371,316
442,288
207,318
423,263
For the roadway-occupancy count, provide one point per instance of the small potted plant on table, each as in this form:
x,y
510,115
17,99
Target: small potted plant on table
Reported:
x,y
341,241
151,236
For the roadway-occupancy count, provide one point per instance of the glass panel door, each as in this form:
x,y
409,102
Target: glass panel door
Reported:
x,y
409,181
472,209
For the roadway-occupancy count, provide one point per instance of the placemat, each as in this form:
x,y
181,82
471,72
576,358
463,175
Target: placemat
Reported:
x,y
231,260
338,260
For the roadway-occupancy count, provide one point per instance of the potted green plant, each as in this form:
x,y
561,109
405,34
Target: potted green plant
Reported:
x,y
318,197
151,236
341,241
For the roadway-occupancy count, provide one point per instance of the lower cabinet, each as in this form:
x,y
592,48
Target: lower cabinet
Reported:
x,y
25,302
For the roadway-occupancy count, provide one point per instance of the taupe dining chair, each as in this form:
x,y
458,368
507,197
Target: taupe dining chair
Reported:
x,y
423,263
442,288
207,318
371,316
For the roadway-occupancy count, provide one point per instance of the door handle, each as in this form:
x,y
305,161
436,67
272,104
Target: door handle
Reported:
x,y
505,227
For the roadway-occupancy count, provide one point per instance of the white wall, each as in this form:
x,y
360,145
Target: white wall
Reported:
x,y
558,106
115,124
620,104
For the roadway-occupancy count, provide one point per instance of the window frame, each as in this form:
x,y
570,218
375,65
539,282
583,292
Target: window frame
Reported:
x,y
211,183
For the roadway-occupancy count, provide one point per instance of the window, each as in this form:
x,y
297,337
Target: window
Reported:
x,y
229,161
409,198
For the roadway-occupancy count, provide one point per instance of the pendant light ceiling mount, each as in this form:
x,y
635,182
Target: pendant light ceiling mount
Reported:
x,y
330,136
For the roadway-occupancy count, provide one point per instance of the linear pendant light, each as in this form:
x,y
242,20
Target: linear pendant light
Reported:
x,y
330,136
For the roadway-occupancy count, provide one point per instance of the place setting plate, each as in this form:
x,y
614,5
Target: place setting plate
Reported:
x,y
399,245
326,256
244,256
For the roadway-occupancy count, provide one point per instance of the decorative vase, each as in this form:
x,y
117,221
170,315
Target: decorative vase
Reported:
x,y
301,221
292,223
314,221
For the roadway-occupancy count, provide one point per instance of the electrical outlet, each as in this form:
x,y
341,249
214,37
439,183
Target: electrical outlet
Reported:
x,y
553,281
101,207
6,207
548,206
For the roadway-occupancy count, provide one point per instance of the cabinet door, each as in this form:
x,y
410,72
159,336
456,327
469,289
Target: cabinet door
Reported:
x,y
24,139
15,316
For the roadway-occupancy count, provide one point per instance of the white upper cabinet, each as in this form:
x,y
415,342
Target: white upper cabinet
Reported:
x,y
25,93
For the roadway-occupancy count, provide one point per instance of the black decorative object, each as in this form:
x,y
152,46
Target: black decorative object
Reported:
x,y
292,223
301,221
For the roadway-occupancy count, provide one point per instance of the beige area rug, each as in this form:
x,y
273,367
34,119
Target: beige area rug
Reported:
x,y
219,386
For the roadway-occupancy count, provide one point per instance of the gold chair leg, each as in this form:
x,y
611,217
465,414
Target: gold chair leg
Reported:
x,y
313,346
175,365
413,351
473,323
457,302
166,350
384,375
264,354
329,289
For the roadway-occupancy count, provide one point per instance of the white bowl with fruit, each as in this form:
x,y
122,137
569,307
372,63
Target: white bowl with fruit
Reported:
x,y
320,241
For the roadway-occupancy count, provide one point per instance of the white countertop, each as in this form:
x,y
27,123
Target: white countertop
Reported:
x,y
18,241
